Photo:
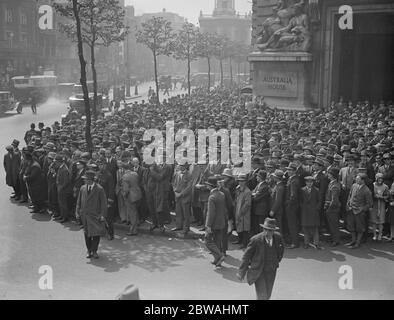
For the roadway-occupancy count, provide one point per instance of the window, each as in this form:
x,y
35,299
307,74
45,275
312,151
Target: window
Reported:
x,y
8,15
24,39
9,36
23,18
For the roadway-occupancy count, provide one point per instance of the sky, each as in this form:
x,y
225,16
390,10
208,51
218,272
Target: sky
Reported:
x,y
189,9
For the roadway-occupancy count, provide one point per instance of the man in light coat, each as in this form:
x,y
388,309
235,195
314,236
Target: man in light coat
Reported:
x,y
92,210
243,207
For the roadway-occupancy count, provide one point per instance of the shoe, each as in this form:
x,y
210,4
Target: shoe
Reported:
x,y
13,197
95,255
34,211
17,198
176,229
88,255
306,246
221,259
317,247
375,238
350,244
23,201
355,246
31,207
63,220
334,244
201,229
110,238
380,237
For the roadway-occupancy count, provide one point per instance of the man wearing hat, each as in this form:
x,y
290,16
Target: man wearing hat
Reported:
x,y
53,205
215,221
278,197
64,188
182,186
321,183
359,203
92,209
243,206
347,176
310,218
332,206
35,180
261,259
12,163
261,201
292,205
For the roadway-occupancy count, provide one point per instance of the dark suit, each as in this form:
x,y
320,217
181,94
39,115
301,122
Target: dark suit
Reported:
x,y
321,182
63,183
216,220
261,204
278,203
310,218
107,182
260,265
332,208
292,207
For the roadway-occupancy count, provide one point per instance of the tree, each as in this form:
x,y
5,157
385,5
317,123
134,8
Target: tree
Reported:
x,y
156,34
206,50
240,56
71,10
102,23
185,47
221,44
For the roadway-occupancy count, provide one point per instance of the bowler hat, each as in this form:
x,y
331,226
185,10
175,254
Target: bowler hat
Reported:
x,y
242,177
15,143
309,178
334,172
9,148
228,173
278,174
269,224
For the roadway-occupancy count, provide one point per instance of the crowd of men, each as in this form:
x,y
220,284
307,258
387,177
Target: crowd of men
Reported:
x,y
314,172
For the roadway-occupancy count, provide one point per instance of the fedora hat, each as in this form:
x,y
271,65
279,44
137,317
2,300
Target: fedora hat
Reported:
x,y
278,174
242,177
90,174
269,224
228,173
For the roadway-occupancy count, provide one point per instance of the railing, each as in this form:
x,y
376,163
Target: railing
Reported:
x,y
242,16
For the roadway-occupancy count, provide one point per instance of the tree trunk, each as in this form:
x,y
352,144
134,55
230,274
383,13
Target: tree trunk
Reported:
x,y
239,73
82,63
188,76
221,72
209,74
231,71
94,76
156,79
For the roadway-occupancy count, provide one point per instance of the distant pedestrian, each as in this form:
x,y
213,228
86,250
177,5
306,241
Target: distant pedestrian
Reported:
x,y
261,259
33,105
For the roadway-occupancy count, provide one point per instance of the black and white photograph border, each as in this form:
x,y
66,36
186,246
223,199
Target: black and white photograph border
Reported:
x,y
197,150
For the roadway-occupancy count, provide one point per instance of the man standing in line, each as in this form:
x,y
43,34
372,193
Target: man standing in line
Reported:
x,y
359,203
215,222
63,184
261,259
92,210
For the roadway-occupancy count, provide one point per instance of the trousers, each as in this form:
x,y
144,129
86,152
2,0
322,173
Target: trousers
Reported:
x,y
292,223
264,284
333,225
213,242
92,243
63,201
182,210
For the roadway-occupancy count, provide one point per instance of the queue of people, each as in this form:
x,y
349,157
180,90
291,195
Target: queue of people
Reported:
x,y
314,172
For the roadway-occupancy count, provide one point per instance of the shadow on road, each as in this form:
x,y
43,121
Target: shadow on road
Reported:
x,y
7,115
149,253
228,273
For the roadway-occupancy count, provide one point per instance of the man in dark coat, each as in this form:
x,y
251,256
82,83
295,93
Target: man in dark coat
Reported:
x,y
64,188
11,166
105,179
34,180
321,183
292,205
53,204
278,198
215,222
261,259
310,218
92,210
332,206
261,202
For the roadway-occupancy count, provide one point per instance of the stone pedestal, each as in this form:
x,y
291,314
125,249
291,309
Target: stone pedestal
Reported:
x,y
282,78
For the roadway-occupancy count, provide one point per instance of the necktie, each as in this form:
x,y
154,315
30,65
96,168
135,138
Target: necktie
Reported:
x,y
89,189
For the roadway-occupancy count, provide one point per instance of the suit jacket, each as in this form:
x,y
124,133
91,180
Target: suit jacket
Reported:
x,y
321,182
183,184
131,187
360,199
332,201
347,176
63,179
253,259
106,180
91,207
11,167
310,203
292,193
278,199
261,199
217,210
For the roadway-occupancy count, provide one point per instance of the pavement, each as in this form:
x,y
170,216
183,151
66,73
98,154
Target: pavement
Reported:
x,y
162,266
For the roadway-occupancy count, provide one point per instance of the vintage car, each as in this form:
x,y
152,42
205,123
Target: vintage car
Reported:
x,y
7,102
77,103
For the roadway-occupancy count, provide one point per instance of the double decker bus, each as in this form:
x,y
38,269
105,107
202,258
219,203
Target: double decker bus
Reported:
x,y
41,87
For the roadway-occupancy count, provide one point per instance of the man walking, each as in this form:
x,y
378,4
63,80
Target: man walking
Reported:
x,y
92,210
261,259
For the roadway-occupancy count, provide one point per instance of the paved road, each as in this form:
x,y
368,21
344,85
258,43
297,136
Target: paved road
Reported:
x,y
163,268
